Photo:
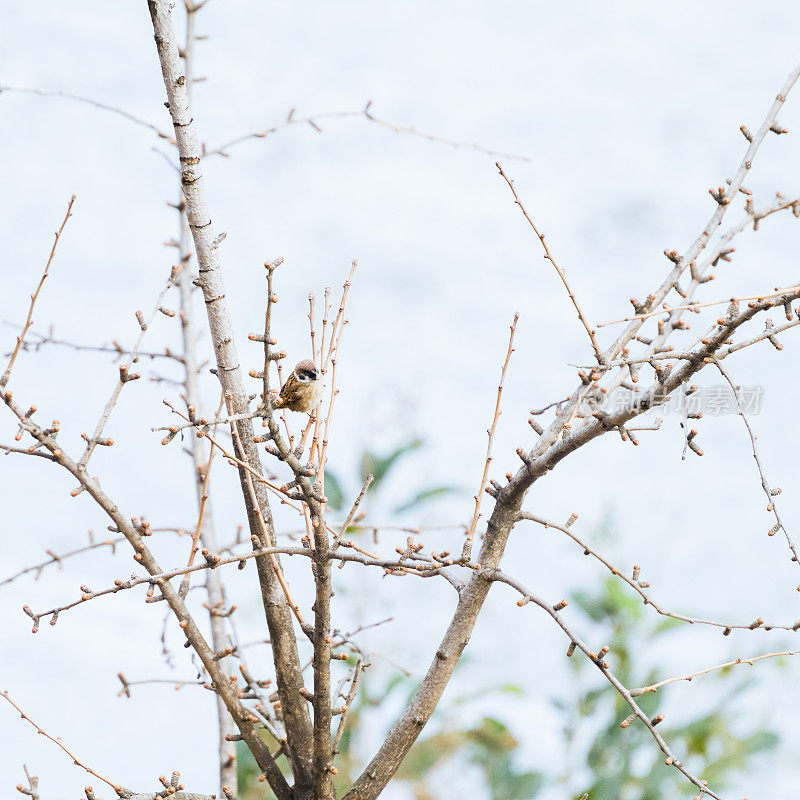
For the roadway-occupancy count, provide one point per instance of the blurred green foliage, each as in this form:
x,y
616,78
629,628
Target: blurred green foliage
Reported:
x,y
624,763
603,759
486,745
247,772
341,493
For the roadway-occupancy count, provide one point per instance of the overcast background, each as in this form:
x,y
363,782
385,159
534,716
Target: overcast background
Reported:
x,y
628,113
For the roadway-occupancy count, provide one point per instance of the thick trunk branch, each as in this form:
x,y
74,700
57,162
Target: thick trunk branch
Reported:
x,y
323,747
509,499
471,598
289,678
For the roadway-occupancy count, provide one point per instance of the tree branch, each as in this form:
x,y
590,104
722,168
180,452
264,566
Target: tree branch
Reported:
x,y
128,527
284,644
29,321
466,552
121,792
544,456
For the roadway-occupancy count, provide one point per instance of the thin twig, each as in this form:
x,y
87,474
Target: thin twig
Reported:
x,y
598,659
56,740
561,274
265,533
438,139
353,510
466,552
26,451
177,684
339,321
693,306
32,789
751,661
204,422
184,587
312,332
419,566
639,586
29,320
313,121
769,492
89,101
57,559
351,694
115,347
124,372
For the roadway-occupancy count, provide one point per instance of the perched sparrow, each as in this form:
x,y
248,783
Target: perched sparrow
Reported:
x,y
303,388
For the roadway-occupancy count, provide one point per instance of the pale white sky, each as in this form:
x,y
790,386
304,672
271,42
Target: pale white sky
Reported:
x,y
628,112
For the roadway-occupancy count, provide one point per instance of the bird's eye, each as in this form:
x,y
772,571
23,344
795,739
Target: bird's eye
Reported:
x,y
307,375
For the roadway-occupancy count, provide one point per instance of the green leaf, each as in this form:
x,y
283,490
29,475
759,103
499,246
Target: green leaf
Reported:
x,y
761,740
428,753
522,786
493,736
425,494
333,491
247,771
590,605
380,466
510,688
668,624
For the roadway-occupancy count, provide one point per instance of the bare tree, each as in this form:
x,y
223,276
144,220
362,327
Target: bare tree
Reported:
x,y
651,360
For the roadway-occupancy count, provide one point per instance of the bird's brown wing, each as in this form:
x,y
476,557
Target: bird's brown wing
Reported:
x,y
288,393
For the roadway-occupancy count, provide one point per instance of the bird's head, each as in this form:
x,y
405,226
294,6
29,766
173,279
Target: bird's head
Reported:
x,y
306,371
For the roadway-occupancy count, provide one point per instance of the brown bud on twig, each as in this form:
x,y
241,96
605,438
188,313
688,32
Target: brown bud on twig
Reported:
x,y
126,376
693,446
125,687
720,196
768,326
723,255
535,425
524,457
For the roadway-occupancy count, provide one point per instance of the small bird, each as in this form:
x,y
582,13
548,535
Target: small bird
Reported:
x,y
303,388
